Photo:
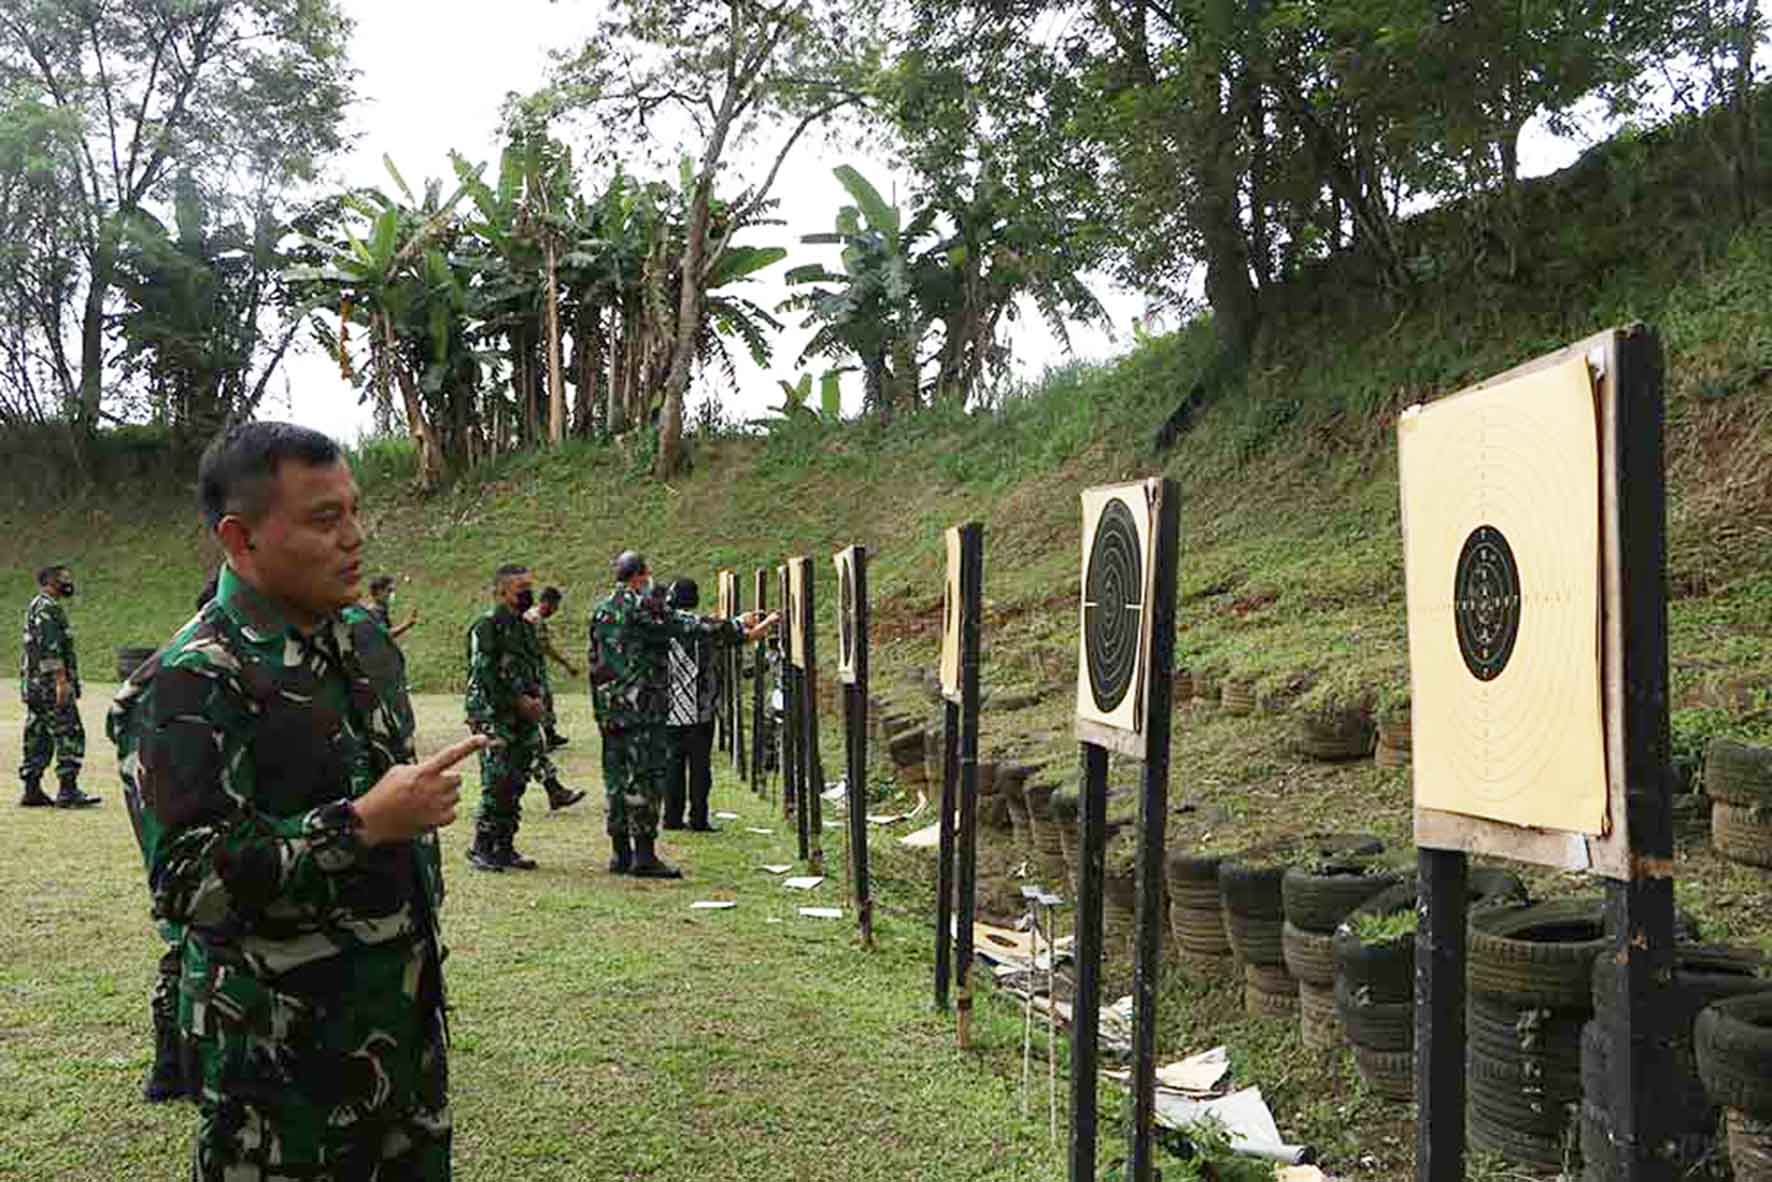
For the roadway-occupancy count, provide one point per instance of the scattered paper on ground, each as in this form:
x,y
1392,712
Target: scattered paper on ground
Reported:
x,y
764,832
1299,1174
1245,1117
822,912
835,793
712,905
926,838
1197,1073
804,882
777,867
726,816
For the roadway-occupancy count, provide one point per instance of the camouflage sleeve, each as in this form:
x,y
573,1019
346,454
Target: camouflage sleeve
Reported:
x,y
485,698
599,663
216,861
49,639
663,622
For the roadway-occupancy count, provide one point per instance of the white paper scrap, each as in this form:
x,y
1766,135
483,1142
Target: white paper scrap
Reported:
x,y
764,832
712,905
1197,1073
822,912
726,816
804,882
777,867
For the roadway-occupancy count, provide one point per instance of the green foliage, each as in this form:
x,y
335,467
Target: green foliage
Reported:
x,y
1390,928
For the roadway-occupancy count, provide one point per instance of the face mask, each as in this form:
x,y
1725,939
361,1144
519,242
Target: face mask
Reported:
x,y
525,600
67,590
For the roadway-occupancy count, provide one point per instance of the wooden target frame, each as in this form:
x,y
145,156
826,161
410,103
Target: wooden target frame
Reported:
x,y
1137,669
809,775
790,713
852,671
759,697
731,713
1634,850
957,841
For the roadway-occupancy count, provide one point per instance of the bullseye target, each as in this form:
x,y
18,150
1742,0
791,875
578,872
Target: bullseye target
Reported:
x,y
1114,635
846,615
1501,511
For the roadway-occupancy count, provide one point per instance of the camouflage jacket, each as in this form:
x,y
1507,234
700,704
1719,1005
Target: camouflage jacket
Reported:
x,y
504,664
48,649
243,739
630,656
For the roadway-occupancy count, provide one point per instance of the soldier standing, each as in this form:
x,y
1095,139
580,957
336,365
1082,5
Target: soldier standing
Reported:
x,y
538,616
49,682
381,606
629,662
290,838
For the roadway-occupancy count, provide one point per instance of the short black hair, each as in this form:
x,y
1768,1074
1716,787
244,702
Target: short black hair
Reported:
x,y
628,564
381,583
685,594
507,571
47,574
239,466
551,595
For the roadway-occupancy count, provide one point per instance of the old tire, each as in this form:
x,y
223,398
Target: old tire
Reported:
x,y
1309,956
1390,1074
1538,955
1733,1040
1319,902
1737,773
1319,1021
1375,1025
1742,834
1269,1005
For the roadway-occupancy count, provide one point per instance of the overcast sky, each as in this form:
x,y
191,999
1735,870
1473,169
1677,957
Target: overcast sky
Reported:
x,y
434,83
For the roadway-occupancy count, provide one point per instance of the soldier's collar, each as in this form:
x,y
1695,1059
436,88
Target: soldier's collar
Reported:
x,y
260,617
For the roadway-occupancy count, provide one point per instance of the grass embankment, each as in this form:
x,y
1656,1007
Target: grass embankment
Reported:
x,y
1291,569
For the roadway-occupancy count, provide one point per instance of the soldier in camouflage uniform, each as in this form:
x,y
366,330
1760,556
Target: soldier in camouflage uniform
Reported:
x,y
49,683
290,839
537,617
504,702
629,662
381,606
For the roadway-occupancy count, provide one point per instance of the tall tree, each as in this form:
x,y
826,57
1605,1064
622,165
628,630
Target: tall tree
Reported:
x,y
203,86
732,71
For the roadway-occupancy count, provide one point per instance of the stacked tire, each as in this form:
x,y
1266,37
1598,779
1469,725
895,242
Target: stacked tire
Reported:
x,y
1316,899
1043,839
1733,1040
1251,886
1205,689
1063,808
906,749
1239,696
1738,780
1012,787
1530,994
1375,980
1335,737
1196,914
1703,974
1396,741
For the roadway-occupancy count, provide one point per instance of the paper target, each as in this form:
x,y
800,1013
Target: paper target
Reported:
x,y
1501,509
846,617
1114,641
950,620
797,624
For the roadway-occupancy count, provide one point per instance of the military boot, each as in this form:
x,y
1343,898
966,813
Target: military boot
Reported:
x,y
34,797
647,864
166,1078
623,860
70,796
556,739
484,853
507,853
559,795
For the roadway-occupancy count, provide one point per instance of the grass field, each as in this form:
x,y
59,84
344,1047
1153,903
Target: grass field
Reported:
x,y
601,1029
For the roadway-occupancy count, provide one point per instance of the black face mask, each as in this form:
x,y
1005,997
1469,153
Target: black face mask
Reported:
x,y
67,590
524,601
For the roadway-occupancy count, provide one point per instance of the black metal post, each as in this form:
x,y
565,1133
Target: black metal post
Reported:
x,y
856,718
966,851
760,587
1086,999
944,852
1439,1016
813,777
1641,911
734,685
1153,819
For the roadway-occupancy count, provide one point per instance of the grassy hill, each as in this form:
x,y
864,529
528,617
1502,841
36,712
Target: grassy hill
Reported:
x,y
1291,566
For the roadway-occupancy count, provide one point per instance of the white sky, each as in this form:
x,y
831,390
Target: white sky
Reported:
x,y
415,112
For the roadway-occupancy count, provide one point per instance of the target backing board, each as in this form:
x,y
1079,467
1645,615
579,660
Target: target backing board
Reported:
x,y
950,619
728,594
846,614
1501,541
1114,623
797,624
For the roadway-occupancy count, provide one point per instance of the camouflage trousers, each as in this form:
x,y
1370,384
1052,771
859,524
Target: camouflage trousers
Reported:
x,y
634,761
505,769
353,1086
52,730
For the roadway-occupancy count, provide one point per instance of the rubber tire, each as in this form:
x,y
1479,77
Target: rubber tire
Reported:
x,y
1737,773
1548,1039
1250,881
1319,1018
1375,1026
1388,1074
1195,896
1309,956
1538,1152
1272,979
1504,1092
1703,973
1269,1005
1742,835
1255,941
1319,902
1733,1040
1553,971
1387,971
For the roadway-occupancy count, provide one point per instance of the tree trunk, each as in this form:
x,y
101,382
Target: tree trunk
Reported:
x,y
92,329
430,456
670,430
617,417
551,326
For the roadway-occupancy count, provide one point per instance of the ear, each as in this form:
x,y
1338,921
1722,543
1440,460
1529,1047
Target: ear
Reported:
x,y
234,535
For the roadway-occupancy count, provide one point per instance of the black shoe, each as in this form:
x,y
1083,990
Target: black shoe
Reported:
x,y
70,796
512,859
34,797
647,864
624,854
560,796
703,827
166,1080
556,739
483,859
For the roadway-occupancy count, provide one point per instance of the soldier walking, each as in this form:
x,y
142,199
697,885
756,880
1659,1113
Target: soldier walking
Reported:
x,y
49,682
559,796
290,838
629,663
381,606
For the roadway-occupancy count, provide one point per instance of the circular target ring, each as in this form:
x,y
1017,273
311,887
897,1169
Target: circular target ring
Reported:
x,y
1486,602
1113,605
